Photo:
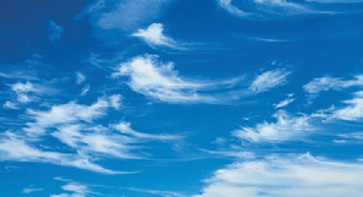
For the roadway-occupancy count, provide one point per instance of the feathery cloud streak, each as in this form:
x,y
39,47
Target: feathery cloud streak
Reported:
x,y
150,77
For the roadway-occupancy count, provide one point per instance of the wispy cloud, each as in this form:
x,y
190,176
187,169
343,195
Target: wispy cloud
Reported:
x,y
155,79
15,148
80,77
65,114
85,90
154,36
286,128
31,190
55,30
73,188
116,101
269,39
269,8
26,93
73,125
335,1
268,80
317,85
125,128
286,175
21,90
284,103
92,8
227,5
354,110
158,192
130,14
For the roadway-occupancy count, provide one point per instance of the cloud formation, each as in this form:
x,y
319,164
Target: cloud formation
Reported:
x,y
269,8
284,103
354,109
268,80
130,14
317,85
74,126
55,30
154,36
286,175
286,128
73,189
15,148
155,79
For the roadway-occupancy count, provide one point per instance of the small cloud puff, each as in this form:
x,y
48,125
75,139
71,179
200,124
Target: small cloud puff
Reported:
x,y
286,128
154,36
268,80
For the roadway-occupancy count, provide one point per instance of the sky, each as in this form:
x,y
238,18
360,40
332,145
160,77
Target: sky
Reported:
x,y
176,98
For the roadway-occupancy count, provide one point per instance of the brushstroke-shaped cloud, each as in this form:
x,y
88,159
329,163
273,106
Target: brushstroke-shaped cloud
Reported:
x,y
269,8
284,103
155,79
317,85
15,148
268,80
154,36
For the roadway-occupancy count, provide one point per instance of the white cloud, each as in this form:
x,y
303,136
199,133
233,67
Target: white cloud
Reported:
x,y
95,141
354,110
92,8
227,5
131,14
80,77
288,7
354,135
65,114
327,83
56,31
268,80
24,87
15,148
269,8
26,93
67,195
335,1
76,189
85,90
284,103
286,128
31,190
152,78
124,127
155,79
154,36
269,39
73,125
10,105
286,175
116,101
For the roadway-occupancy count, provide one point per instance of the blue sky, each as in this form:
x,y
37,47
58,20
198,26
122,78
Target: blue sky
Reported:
x,y
177,98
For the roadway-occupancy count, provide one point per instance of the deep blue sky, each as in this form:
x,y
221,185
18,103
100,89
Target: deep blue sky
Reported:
x,y
181,98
